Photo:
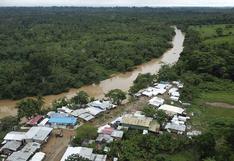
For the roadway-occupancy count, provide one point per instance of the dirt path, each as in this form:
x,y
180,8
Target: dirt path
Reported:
x,y
220,104
56,146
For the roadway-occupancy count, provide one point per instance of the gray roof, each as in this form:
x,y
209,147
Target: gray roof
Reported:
x,y
86,152
78,112
104,137
86,116
24,154
38,133
99,157
117,134
100,104
11,145
176,127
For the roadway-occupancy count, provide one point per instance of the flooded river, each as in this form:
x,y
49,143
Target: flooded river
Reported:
x,y
121,81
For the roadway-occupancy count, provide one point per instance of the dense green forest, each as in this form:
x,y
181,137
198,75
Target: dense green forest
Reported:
x,y
47,51
206,68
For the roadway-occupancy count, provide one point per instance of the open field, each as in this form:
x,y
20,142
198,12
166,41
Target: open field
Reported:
x,y
209,31
208,116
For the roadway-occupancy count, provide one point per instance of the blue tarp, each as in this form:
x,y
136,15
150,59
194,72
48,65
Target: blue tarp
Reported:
x,y
69,120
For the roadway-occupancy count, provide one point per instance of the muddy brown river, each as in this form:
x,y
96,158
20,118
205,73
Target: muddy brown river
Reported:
x,y
121,81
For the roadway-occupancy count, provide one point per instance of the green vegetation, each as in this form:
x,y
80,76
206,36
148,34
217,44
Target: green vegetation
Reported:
x,y
29,107
85,132
207,72
7,124
70,47
116,96
159,115
142,81
81,98
138,147
76,157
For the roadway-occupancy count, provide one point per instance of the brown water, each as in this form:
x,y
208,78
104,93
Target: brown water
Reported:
x,y
121,81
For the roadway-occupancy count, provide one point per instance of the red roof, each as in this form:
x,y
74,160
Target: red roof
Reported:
x,y
35,120
107,130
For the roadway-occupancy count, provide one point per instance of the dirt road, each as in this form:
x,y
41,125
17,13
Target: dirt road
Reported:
x,y
220,104
56,146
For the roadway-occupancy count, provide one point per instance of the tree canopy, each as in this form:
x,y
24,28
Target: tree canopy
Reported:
x,y
116,96
29,107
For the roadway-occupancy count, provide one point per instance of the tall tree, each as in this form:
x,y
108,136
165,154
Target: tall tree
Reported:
x,y
116,96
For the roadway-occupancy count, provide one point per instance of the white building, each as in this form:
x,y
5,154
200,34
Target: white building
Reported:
x,y
156,101
15,136
171,110
38,134
83,152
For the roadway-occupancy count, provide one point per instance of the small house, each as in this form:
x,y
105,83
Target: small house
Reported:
x,y
38,134
60,119
132,121
156,101
26,153
34,121
10,147
83,152
171,110
15,136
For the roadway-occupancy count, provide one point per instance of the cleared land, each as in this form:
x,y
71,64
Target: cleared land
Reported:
x,y
56,146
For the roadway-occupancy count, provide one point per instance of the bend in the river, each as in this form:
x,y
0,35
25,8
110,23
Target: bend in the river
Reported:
x,y
121,81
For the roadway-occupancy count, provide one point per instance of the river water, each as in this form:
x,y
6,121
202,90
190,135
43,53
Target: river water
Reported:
x,y
121,81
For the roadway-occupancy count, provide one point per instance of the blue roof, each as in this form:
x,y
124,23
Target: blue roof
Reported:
x,y
70,120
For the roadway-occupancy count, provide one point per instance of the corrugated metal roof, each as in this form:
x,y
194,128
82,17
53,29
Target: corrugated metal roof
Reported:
x,y
39,156
35,120
38,133
24,154
117,134
15,135
137,121
69,120
171,110
11,145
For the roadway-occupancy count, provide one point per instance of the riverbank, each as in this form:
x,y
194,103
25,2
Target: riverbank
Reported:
x,y
121,81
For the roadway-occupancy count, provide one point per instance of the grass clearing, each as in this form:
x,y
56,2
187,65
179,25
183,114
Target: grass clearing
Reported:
x,y
182,156
209,31
225,97
207,117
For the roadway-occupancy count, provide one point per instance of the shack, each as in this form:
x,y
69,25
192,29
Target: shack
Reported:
x,y
61,120
135,122
156,101
171,110
10,147
34,121
38,134
84,152
103,105
14,136
26,153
